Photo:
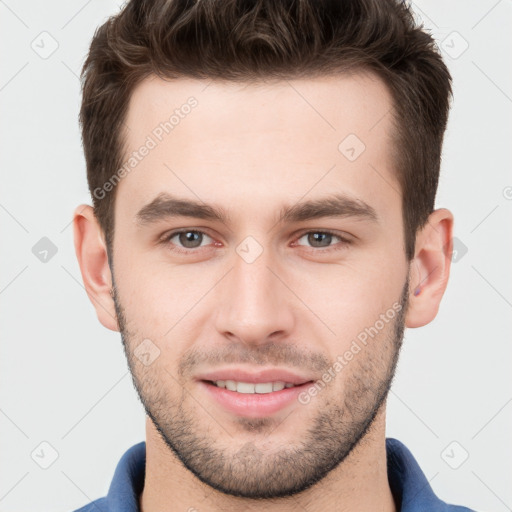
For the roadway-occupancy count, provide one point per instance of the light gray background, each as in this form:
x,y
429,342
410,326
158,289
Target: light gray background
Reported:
x,y
64,378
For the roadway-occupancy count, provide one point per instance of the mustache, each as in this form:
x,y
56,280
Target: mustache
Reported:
x,y
269,354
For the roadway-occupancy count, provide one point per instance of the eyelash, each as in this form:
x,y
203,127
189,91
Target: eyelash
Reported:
x,y
343,241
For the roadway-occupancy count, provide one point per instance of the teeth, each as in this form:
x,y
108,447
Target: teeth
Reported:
x,y
262,387
245,387
277,386
251,388
230,384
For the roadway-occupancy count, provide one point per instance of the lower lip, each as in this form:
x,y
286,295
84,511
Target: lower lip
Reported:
x,y
253,405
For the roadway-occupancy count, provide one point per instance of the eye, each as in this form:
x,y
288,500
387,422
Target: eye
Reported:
x,y
186,239
322,239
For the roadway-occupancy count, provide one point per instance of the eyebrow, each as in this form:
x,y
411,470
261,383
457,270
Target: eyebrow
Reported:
x,y
165,206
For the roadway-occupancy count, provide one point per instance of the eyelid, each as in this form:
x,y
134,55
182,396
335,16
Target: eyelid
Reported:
x,y
170,234
345,239
334,232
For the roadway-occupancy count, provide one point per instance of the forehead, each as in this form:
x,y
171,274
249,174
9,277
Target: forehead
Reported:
x,y
225,141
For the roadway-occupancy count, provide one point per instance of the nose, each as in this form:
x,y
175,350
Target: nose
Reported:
x,y
255,306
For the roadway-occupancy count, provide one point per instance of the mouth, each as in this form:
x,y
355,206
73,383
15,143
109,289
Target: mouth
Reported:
x,y
261,388
253,395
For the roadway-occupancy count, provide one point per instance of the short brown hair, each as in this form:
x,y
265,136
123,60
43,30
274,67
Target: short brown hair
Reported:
x,y
247,40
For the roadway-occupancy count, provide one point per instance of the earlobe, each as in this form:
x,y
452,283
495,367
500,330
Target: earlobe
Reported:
x,y
430,268
91,253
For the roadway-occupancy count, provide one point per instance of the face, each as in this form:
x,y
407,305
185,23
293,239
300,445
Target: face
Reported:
x,y
259,245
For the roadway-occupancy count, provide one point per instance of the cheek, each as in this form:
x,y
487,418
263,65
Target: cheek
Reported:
x,y
162,303
161,300
347,298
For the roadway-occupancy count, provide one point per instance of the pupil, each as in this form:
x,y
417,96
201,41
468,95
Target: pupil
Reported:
x,y
189,239
320,237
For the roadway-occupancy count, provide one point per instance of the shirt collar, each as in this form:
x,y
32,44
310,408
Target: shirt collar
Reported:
x,y
409,486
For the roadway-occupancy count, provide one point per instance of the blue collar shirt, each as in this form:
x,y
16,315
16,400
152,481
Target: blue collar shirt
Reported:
x,y
409,486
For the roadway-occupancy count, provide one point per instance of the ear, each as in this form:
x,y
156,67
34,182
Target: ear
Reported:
x,y
91,253
430,268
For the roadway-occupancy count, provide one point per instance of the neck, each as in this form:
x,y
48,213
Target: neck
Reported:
x,y
359,483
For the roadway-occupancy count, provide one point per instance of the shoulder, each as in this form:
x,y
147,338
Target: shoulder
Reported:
x,y
409,486
99,505
126,485
455,508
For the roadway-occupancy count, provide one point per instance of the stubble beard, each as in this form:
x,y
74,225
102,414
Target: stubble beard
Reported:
x,y
250,471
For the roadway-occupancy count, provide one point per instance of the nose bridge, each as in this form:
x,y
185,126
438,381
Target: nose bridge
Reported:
x,y
254,305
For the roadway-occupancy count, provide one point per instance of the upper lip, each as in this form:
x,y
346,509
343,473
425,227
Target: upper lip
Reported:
x,y
255,376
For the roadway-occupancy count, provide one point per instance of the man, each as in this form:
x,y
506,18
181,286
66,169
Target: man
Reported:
x,y
263,177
